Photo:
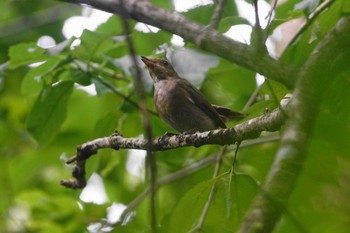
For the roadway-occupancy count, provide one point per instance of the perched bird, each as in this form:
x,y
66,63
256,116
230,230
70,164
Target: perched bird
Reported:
x,y
180,104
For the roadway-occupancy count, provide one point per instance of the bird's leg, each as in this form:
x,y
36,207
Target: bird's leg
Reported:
x,y
188,132
192,131
165,135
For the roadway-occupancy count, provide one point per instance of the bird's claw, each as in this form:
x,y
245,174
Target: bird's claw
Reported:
x,y
116,133
166,135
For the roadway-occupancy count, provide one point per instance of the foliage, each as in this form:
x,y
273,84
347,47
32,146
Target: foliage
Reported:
x,y
45,113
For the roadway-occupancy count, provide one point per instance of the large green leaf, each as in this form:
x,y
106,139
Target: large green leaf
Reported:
x,y
346,7
93,45
107,124
147,43
49,111
112,26
338,99
25,54
231,200
190,206
272,90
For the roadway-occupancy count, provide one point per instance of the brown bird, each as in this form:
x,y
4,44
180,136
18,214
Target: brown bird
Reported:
x,y
180,104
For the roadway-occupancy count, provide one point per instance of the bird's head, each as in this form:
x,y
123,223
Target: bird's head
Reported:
x,y
159,68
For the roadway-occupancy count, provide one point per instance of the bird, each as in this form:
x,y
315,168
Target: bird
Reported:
x,y
180,104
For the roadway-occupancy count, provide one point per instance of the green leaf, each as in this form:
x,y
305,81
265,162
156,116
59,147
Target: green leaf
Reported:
x,y
226,23
96,43
338,99
273,90
78,76
100,87
32,82
107,124
200,14
260,108
49,111
203,14
147,43
346,7
112,26
25,54
130,125
93,45
230,204
231,200
163,4
230,9
189,208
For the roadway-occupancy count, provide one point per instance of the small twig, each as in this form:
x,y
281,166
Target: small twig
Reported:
x,y
256,11
260,38
126,98
150,156
238,144
87,66
252,98
270,14
216,17
232,173
199,225
109,86
310,19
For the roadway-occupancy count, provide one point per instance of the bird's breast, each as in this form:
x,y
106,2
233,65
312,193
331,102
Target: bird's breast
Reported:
x,y
164,96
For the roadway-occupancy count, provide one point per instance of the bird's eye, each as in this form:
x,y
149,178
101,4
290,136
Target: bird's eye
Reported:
x,y
166,63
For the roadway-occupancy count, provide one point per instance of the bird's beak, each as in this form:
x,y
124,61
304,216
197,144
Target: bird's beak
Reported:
x,y
148,62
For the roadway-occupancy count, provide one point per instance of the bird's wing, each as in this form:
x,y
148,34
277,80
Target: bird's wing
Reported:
x,y
197,98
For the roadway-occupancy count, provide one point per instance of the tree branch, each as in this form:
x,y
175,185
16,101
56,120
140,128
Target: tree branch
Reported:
x,y
250,129
328,60
203,37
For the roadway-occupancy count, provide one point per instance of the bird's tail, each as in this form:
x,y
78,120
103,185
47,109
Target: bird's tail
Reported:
x,y
228,114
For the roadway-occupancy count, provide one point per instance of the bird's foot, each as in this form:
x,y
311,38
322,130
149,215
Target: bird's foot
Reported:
x,y
117,133
165,135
